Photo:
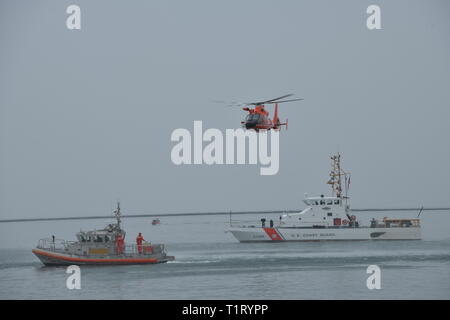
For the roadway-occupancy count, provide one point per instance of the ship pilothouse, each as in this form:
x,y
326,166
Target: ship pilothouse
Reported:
x,y
328,218
326,212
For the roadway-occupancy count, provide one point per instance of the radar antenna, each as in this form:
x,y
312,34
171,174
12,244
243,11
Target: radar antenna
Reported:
x,y
118,215
336,175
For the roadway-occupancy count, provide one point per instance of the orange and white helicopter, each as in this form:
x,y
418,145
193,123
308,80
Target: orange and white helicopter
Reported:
x,y
258,117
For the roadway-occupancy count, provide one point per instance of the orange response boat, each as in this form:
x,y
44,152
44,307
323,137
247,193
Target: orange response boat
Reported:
x,y
100,247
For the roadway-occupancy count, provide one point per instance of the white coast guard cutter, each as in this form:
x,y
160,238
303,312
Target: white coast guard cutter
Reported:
x,y
327,218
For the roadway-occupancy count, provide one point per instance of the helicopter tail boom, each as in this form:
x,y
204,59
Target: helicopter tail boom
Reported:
x,y
275,115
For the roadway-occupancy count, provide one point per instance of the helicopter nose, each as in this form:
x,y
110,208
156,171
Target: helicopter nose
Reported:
x,y
250,125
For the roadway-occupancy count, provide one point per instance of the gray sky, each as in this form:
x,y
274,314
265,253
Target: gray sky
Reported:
x,y
86,116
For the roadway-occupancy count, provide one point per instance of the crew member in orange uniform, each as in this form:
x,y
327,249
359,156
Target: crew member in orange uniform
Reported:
x,y
120,243
139,240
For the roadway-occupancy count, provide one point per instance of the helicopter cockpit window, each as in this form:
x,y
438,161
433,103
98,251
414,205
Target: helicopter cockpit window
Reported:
x,y
252,117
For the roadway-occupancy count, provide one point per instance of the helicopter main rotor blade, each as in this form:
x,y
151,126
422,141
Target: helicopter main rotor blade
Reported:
x,y
230,104
282,97
284,101
271,100
236,104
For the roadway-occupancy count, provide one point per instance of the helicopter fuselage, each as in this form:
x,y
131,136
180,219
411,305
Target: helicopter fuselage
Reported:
x,y
258,119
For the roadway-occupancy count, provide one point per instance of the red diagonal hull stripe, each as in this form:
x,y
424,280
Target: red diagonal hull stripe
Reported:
x,y
273,234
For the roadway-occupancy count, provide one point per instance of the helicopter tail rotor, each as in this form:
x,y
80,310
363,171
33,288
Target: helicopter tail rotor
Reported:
x,y
284,124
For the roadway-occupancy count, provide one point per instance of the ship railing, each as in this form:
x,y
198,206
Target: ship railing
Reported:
x,y
60,245
144,249
279,223
52,244
254,223
399,223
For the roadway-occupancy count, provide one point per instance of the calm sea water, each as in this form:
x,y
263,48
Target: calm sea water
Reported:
x,y
211,264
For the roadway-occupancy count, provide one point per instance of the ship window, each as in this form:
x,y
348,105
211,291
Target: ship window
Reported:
x,y
317,203
330,202
336,201
322,202
330,214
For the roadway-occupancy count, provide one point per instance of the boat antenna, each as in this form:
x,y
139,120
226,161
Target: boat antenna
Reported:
x,y
335,175
421,209
117,214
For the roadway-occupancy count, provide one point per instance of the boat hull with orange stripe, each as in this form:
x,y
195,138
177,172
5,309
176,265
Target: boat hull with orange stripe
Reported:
x,y
49,258
279,234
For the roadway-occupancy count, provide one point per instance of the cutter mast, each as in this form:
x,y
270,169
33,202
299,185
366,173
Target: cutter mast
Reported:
x,y
336,175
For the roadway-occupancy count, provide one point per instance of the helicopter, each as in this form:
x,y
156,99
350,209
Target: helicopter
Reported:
x,y
258,117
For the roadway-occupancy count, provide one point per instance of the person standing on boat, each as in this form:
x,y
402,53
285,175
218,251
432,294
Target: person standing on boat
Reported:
x,y
139,240
120,243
